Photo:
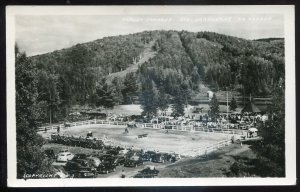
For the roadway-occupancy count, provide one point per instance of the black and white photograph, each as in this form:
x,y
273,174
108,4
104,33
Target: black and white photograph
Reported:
x,y
150,95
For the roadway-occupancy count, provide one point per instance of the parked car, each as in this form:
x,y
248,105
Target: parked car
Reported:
x,y
119,160
49,153
85,174
148,172
80,169
95,161
150,155
174,157
147,156
177,157
80,156
105,157
65,156
159,158
63,151
113,152
54,137
134,161
106,167
134,152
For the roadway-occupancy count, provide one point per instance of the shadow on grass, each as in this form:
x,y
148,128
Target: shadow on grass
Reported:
x,y
248,164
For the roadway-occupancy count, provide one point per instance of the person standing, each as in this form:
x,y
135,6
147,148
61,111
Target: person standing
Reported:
x,y
123,175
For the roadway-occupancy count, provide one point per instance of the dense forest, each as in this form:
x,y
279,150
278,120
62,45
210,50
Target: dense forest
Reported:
x,y
182,62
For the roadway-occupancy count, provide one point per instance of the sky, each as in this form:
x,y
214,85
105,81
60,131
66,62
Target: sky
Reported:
x,y
41,34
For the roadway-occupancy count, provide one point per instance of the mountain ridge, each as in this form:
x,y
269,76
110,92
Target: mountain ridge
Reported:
x,y
191,61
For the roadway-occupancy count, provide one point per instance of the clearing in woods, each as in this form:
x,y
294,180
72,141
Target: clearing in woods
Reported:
x,y
181,142
147,54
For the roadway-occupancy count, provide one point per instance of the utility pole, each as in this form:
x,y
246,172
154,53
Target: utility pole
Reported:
x,y
227,116
50,116
50,109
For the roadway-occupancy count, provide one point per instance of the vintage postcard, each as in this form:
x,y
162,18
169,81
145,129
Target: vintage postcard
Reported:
x,y
150,95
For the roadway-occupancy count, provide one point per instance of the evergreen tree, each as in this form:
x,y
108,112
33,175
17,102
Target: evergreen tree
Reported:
x,y
105,95
195,78
163,101
232,105
271,150
29,154
149,98
49,93
78,72
214,107
93,99
186,91
130,87
178,102
117,86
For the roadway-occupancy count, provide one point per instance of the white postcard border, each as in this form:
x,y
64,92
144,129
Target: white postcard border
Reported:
x,y
290,123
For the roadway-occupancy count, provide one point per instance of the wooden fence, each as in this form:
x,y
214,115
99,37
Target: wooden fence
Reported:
x,y
239,99
191,128
88,122
209,148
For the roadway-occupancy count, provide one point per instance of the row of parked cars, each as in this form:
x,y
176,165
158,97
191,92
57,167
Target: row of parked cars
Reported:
x,y
148,172
85,142
84,166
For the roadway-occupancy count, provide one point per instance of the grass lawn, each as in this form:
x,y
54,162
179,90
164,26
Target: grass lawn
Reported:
x,y
217,164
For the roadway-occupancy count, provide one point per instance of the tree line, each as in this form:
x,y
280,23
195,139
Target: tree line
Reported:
x,y
184,60
30,158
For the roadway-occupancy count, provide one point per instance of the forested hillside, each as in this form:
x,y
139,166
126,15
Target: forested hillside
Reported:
x,y
179,62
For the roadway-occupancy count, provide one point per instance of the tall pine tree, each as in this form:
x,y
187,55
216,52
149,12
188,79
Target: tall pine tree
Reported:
x,y
214,108
130,87
178,102
149,98
105,95
163,101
